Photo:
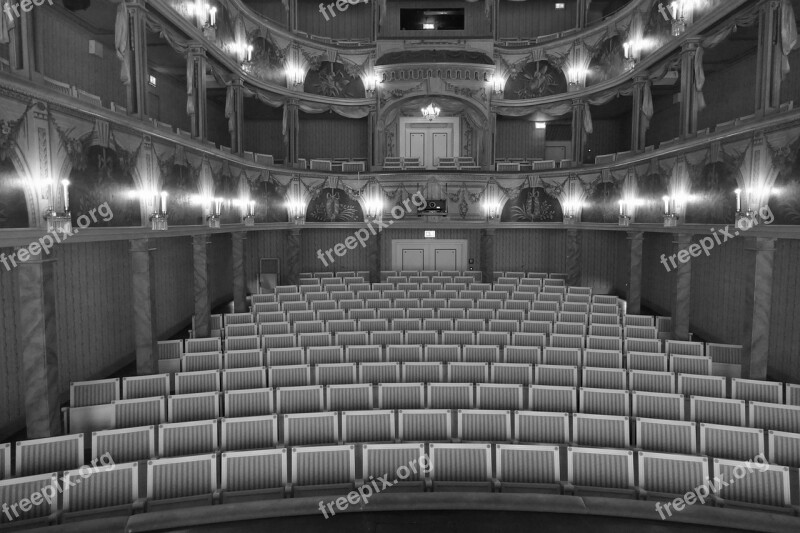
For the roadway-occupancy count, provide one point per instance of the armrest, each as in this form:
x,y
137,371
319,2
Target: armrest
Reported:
x,y
428,484
641,494
289,490
216,497
55,517
496,485
139,505
567,487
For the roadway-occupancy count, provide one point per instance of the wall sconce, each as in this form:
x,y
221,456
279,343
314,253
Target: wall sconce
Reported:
x,y
670,215
498,85
59,222
371,84
249,212
158,220
677,13
492,209
294,76
625,213
576,78
632,51
296,210
214,218
571,210
243,52
373,209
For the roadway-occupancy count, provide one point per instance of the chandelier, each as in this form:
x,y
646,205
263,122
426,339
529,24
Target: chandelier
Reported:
x,y
431,112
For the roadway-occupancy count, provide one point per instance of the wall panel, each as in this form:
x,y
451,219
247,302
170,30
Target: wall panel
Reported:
x,y
533,250
264,137
784,363
174,284
262,244
220,269
329,136
274,10
476,24
601,261
531,19
657,294
11,386
355,22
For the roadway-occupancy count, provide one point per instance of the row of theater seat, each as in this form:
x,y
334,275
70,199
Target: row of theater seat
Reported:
x,y
385,425
333,471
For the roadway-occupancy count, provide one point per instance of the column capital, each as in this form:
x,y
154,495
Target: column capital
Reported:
x,y
578,102
196,49
635,235
691,45
641,79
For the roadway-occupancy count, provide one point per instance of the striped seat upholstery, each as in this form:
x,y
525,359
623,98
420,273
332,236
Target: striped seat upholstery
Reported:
x,y
20,488
90,393
401,396
602,358
481,354
771,416
51,454
600,430
664,475
196,382
531,426
249,433
523,354
125,445
651,381
524,468
784,448
684,348
766,485
379,372
194,362
468,372
512,373
450,396
363,354
556,375
187,438
244,378
385,338
550,398
248,402
607,469
717,411
289,376
753,390
5,461
336,374
306,399
461,467
188,407
731,442
301,429
112,489
499,396
657,405
484,425
604,378
323,470
378,459
562,356
243,359
254,475
404,353
349,397
690,364
669,436
424,424
140,412
368,426
181,481
422,372
652,362
442,353
709,386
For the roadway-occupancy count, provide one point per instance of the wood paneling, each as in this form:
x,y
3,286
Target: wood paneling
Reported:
x,y
601,261
514,137
718,293
11,386
220,269
274,10
262,244
784,363
329,136
526,20
533,250
94,316
355,22
657,283
264,137
174,288
738,84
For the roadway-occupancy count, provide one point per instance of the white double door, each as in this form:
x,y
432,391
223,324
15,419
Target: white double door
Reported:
x,y
428,254
429,140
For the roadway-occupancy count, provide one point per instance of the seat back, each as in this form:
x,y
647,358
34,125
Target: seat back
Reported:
x,y
187,438
111,486
368,426
250,402
182,477
51,454
601,430
125,445
323,465
600,468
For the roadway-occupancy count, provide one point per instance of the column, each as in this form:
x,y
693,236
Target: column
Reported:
x,y
681,306
202,300
143,290
197,55
237,135
487,254
293,246
374,257
291,7
39,346
539,141
638,133
688,118
293,123
578,132
371,126
635,246
583,12
573,257
137,90
759,263
493,146
769,58
238,245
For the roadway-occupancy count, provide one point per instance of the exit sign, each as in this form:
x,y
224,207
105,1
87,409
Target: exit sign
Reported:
x,y
430,234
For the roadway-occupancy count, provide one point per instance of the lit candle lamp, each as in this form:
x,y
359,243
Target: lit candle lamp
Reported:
x,y
164,202
218,209
213,16
65,184
627,48
622,207
666,205
249,52
738,200
252,207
